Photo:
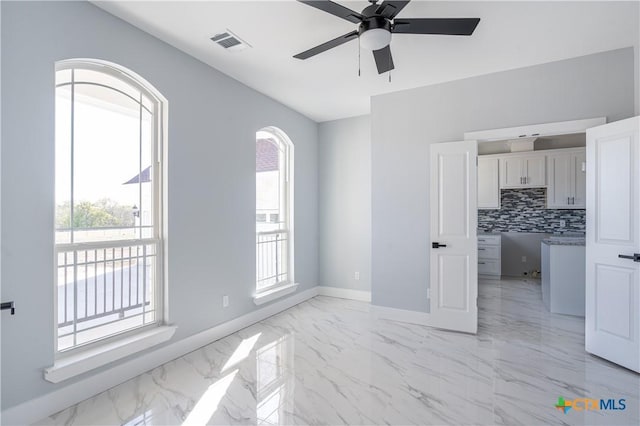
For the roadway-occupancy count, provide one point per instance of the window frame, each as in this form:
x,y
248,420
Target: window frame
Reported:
x,y
286,187
159,190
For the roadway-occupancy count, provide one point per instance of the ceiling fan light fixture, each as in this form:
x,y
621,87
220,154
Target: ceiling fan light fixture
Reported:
x,y
375,38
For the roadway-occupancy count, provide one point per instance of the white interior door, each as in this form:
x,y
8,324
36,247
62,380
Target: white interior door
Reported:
x,y
454,245
612,322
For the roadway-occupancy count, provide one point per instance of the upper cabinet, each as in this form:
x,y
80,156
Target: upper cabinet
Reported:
x,y
523,171
561,171
567,179
488,183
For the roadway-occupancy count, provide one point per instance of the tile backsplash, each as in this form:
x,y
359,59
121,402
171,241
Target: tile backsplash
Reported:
x,y
523,210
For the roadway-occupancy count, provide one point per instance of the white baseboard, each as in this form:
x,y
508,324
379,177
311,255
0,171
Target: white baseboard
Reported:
x,y
401,315
345,293
37,409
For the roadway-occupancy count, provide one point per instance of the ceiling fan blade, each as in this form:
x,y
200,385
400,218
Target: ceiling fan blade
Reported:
x,y
328,45
445,26
389,9
383,58
336,10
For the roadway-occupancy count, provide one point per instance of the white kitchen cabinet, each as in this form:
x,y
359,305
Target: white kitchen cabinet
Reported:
x,y
567,179
488,183
580,174
523,171
536,171
490,255
511,172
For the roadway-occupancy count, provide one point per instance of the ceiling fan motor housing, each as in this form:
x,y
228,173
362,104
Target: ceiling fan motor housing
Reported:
x,y
374,33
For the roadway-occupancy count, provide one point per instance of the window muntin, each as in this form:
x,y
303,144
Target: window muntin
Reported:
x,y
108,186
274,230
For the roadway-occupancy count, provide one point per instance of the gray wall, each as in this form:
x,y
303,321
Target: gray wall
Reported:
x,y
404,124
211,167
344,151
515,245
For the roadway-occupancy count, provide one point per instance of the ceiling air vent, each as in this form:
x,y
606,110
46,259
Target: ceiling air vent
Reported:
x,y
230,41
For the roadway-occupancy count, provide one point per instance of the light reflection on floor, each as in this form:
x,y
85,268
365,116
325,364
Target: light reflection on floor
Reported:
x,y
332,361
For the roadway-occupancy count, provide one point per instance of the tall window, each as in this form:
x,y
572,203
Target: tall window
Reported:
x,y
274,209
108,220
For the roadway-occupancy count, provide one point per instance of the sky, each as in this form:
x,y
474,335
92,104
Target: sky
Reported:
x,y
106,146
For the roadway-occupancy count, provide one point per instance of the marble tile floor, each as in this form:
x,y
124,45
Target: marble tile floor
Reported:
x,y
331,361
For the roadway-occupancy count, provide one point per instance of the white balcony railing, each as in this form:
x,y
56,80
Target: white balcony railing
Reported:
x,y
272,258
104,288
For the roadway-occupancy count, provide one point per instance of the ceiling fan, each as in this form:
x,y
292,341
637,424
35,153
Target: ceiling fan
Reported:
x,y
376,23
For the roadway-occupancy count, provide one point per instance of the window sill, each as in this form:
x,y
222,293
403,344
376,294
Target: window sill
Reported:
x,y
75,364
273,294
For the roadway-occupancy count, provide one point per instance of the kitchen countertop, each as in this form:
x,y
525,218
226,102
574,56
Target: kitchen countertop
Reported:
x,y
564,241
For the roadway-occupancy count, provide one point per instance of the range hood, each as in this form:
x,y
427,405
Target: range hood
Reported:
x,y
522,144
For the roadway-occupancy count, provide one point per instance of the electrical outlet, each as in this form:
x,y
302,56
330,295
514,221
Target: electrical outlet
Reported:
x,y
563,223
524,259
356,276
225,301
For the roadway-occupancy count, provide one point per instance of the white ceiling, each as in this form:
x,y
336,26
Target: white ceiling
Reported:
x,y
326,87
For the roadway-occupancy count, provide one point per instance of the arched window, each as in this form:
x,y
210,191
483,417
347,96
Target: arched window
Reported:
x,y
108,195
274,209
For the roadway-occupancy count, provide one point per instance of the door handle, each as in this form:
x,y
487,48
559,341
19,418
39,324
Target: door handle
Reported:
x,y
437,245
8,305
635,257
573,200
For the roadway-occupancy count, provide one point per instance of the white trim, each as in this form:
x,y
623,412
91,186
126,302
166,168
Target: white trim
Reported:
x,y
289,198
345,293
78,363
37,409
401,315
159,181
536,130
273,294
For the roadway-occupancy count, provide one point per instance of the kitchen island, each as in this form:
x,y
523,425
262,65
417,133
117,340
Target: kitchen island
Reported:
x,y
563,275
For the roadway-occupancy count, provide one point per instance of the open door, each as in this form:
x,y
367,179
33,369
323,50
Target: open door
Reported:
x,y
612,315
454,252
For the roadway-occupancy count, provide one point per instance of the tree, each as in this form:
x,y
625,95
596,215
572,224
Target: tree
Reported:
x,y
99,214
